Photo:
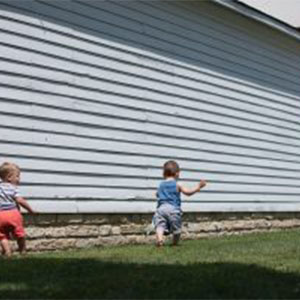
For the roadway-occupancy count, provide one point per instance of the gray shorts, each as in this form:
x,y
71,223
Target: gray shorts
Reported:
x,y
168,218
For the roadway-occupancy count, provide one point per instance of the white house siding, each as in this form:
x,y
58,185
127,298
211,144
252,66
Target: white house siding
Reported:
x,y
97,95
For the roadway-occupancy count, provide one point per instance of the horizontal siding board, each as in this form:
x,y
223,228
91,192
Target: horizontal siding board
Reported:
x,y
270,99
173,37
54,206
203,95
178,34
57,192
176,49
215,17
202,154
276,169
42,138
19,7
232,121
150,175
190,92
95,58
23,119
126,50
209,19
155,16
83,156
52,139
76,180
92,106
163,42
214,98
281,138
131,120
149,207
102,193
202,137
50,86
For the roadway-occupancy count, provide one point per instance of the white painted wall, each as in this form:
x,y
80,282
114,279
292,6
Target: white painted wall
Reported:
x,y
95,96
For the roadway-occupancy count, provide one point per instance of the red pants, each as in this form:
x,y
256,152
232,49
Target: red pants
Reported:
x,y
11,223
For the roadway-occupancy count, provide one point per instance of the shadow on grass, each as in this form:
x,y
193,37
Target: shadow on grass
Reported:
x,y
55,278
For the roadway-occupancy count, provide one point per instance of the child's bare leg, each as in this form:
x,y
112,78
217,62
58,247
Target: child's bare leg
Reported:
x,y
176,238
22,245
159,236
6,251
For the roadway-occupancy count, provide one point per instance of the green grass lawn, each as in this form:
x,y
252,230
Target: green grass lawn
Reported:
x,y
255,266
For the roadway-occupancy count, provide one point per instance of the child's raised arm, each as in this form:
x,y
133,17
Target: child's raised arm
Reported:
x,y
22,202
192,191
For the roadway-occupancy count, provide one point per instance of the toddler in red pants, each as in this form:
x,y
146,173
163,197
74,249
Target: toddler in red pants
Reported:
x,y
11,221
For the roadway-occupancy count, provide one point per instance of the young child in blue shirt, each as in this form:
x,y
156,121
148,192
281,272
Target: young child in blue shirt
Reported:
x,y
167,218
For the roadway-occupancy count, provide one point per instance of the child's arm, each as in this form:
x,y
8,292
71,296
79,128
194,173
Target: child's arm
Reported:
x,y
192,191
22,202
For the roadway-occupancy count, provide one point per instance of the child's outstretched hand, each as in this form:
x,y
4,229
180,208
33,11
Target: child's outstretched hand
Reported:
x,y
201,184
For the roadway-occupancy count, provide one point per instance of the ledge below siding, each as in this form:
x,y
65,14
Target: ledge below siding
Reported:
x,y
48,232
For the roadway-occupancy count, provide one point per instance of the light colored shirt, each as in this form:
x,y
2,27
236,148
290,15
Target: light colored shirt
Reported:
x,y
8,194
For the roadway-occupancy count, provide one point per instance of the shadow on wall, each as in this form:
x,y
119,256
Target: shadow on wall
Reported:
x,y
145,30
63,278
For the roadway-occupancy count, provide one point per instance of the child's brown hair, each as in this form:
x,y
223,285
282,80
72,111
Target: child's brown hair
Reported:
x,y
171,168
7,168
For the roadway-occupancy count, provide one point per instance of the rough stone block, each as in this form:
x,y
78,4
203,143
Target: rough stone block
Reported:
x,y
193,227
105,230
136,239
65,243
135,218
96,219
119,219
56,232
189,217
85,243
262,224
133,229
202,218
115,230
50,244
277,224
45,219
111,240
69,219
82,231
214,227
248,225
35,232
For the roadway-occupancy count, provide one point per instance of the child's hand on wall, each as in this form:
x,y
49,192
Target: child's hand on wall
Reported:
x,y
201,184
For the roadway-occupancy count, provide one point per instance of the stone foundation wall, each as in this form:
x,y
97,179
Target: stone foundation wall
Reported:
x,y
61,231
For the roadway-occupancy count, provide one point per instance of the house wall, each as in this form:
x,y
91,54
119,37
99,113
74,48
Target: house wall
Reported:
x,y
95,96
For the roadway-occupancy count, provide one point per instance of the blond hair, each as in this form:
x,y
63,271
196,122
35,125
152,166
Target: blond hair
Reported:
x,y
7,168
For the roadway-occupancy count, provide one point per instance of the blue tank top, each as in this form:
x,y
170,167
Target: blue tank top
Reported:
x,y
167,193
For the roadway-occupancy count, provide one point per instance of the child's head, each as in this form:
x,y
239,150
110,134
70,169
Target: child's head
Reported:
x,y
171,169
10,172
